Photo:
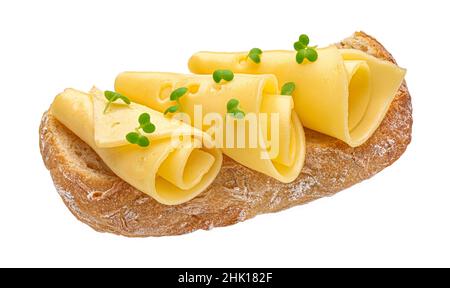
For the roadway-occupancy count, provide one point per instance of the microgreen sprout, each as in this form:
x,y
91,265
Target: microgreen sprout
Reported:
x,y
175,96
137,136
226,75
305,51
113,97
233,109
288,88
255,55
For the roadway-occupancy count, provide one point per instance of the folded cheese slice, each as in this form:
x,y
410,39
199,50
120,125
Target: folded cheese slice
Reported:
x,y
172,172
281,157
345,93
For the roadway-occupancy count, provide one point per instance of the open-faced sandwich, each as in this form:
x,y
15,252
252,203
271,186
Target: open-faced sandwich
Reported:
x,y
247,133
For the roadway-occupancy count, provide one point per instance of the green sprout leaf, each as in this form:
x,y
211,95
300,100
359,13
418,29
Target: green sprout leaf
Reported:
x,y
233,109
311,54
144,118
217,76
175,96
255,55
171,109
226,75
304,39
302,42
146,125
178,93
301,54
299,46
256,51
288,88
109,95
125,99
143,141
113,97
133,137
255,58
136,136
232,104
149,128
305,51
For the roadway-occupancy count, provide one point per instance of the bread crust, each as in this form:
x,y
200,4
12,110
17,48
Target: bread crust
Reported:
x,y
108,204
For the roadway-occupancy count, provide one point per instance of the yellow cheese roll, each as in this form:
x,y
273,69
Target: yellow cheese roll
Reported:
x,y
172,172
345,93
275,147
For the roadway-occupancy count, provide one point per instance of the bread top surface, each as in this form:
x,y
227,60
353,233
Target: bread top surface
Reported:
x,y
106,203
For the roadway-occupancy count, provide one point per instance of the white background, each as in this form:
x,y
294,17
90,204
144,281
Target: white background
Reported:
x,y
400,217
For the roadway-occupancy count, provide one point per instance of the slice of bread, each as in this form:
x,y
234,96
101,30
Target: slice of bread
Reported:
x,y
106,203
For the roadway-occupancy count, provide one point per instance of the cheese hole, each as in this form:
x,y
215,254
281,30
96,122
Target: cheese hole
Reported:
x,y
242,60
216,87
165,90
193,88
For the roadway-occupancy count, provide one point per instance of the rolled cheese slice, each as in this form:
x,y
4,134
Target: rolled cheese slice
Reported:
x,y
282,152
172,172
345,93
